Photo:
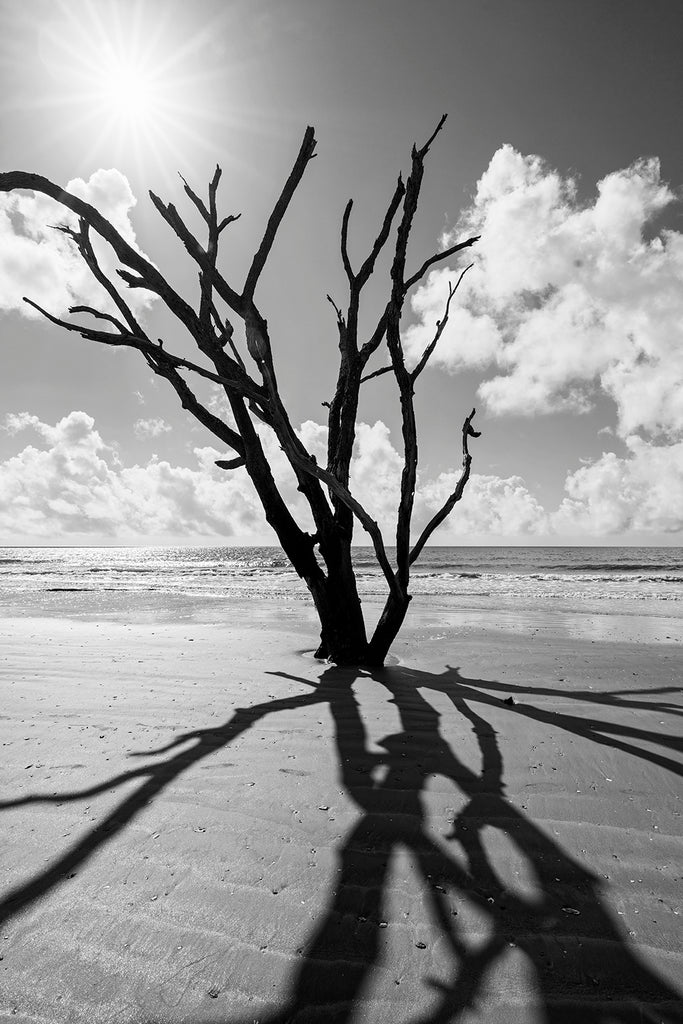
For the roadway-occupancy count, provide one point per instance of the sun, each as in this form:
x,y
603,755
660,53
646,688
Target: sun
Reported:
x,y
134,84
114,63
123,86
128,91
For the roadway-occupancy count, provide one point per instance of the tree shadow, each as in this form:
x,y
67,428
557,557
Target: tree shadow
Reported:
x,y
154,777
582,965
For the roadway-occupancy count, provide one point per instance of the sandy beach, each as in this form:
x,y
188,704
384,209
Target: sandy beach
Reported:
x,y
200,823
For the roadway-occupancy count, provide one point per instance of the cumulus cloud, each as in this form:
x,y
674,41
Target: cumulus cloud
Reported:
x,y
74,483
376,473
643,492
71,482
153,427
44,264
470,340
491,505
566,297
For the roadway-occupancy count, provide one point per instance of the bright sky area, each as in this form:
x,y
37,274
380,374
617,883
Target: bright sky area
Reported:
x,y
562,149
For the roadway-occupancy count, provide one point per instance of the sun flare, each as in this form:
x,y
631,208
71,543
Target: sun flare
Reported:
x,y
128,92
127,87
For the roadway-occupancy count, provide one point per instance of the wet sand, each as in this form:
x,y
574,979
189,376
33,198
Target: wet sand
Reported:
x,y
200,823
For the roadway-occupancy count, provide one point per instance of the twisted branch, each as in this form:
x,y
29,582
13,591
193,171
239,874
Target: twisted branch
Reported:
x,y
448,506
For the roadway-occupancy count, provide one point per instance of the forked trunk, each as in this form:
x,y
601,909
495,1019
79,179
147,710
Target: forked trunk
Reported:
x,y
343,637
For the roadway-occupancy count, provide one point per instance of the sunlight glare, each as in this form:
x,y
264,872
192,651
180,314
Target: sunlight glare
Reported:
x,y
134,85
141,86
127,91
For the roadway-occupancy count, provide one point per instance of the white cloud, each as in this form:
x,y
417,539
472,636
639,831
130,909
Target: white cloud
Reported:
x,y
491,505
470,339
643,492
566,298
376,474
16,421
153,427
74,484
71,484
43,264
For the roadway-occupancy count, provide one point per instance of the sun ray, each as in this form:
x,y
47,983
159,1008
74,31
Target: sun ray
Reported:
x,y
139,87
134,85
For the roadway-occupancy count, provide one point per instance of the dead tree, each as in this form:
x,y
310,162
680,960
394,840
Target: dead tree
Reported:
x,y
323,559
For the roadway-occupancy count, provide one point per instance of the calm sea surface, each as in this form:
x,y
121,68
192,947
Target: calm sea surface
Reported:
x,y
550,574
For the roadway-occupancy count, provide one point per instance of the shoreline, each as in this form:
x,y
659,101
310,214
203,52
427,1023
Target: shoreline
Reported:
x,y
601,621
225,820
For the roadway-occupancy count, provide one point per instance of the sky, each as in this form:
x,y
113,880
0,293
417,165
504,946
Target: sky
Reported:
x,y
562,149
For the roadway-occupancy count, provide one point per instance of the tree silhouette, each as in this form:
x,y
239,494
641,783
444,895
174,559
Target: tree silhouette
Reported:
x,y
323,558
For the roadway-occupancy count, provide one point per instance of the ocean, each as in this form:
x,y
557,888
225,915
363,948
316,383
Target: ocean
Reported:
x,y
599,575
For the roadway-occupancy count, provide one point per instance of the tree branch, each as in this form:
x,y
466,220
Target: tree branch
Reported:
x,y
375,339
164,364
344,405
404,379
344,242
369,263
169,213
225,336
132,280
437,258
189,401
199,203
440,326
448,506
96,313
309,465
335,307
376,373
146,275
144,345
422,153
213,189
306,153
84,245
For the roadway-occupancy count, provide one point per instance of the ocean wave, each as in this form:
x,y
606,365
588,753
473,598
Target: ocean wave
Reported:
x,y
618,567
122,569
505,573
68,590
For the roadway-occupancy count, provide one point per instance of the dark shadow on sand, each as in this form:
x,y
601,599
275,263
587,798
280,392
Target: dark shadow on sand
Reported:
x,y
583,967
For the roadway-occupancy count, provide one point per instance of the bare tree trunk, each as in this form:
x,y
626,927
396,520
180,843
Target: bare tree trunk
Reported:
x,y
343,639
390,622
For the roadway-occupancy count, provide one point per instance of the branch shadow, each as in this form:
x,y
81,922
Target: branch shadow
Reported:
x,y
582,965
154,778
